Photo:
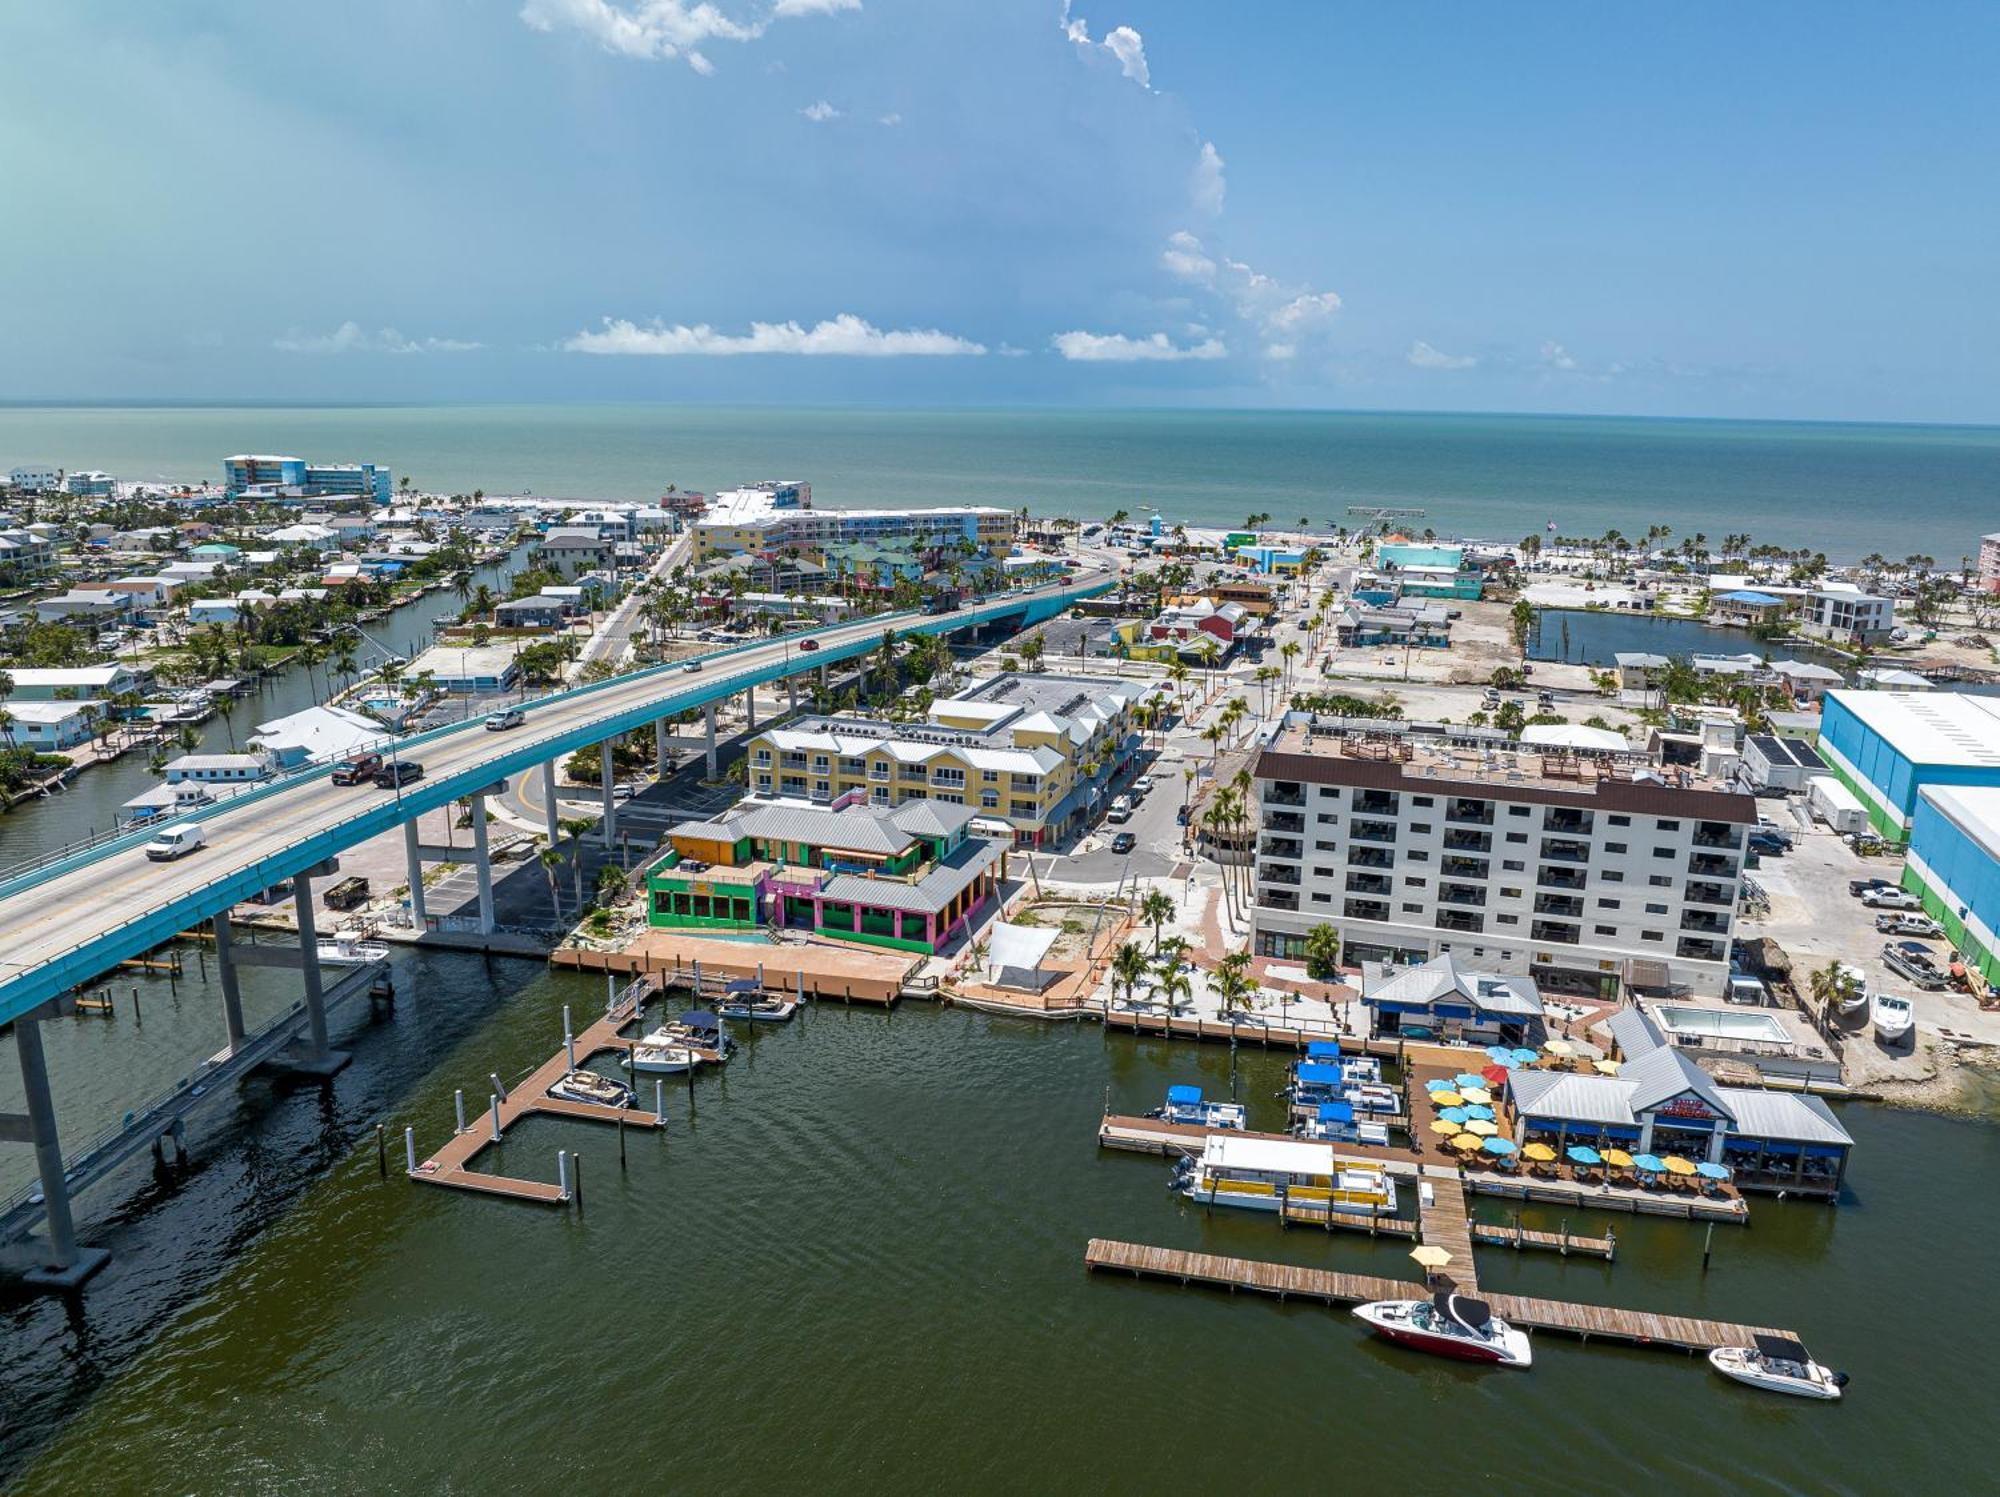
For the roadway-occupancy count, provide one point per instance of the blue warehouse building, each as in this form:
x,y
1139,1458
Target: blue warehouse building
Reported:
x,y
1887,746
1954,867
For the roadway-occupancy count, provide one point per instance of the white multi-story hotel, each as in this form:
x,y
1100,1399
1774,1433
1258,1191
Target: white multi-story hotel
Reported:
x,y
1586,871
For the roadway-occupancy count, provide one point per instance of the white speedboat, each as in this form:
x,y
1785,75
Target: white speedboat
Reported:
x,y
1853,993
346,951
1778,1364
588,1086
1448,1325
1185,1104
1893,1018
664,1052
761,1010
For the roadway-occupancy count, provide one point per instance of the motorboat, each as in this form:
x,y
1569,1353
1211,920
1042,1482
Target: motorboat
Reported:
x,y
588,1086
1266,1174
1853,993
347,951
1448,1325
1778,1364
1185,1104
1354,1068
1335,1122
664,1053
701,1028
765,1009
1893,1017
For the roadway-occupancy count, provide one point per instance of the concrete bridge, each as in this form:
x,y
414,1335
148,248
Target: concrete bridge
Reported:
x,y
67,919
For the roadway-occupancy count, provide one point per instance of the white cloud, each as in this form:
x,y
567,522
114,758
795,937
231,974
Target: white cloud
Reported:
x,y
1186,260
819,113
657,30
1206,187
1423,356
351,337
1116,348
845,336
1121,42
1556,356
891,118
1304,310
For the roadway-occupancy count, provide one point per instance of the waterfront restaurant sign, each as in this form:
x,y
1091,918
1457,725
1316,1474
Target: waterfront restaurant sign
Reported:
x,y
1686,1105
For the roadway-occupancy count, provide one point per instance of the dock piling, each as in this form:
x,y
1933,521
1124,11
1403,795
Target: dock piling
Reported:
x,y
562,1171
458,1107
1707,1246
381,1152
499,1088
660,1100
410,1149
136,1016
577,1160
496,1119
621,1140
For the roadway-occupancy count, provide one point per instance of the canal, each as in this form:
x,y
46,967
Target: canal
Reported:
x,y
1589,637
853,1264
92,800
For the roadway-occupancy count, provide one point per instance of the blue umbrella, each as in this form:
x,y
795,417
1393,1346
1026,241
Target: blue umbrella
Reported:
x,y
1647,1162
1711,1171
1584,1154
1439,1084
1459,1115
1500,1055
1469,1078
1523,1057
1484,1114
1498,1145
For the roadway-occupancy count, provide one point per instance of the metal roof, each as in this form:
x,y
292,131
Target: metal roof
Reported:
x,y
1788,1117
1573,1097
872,829
928,894
1660,1075
1443,977
1635,1032
1931,727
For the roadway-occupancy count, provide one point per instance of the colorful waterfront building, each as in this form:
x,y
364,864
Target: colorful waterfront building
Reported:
x,y
1427,571
909,878
1886,746
1954,867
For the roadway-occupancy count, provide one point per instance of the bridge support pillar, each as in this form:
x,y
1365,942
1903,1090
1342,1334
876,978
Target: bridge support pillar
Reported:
x,y
660,761
65,1265
419,916
482,865
232,994
316,1057
549,800
792,691
605,772
750,707
708,718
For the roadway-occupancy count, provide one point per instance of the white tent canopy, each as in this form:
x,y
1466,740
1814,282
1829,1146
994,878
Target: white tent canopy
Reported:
x,y
1573,735
1017,949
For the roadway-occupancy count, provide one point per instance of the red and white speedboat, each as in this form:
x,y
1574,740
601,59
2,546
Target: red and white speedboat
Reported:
x,y
1448,1325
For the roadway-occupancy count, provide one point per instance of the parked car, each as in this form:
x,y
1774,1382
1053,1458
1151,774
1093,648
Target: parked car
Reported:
x,y
1121,809
510,717
357,771
398,772
1124,842
1908,925
1143,785
808,644
1913,960
622,792
1859,886
176,842
1891,899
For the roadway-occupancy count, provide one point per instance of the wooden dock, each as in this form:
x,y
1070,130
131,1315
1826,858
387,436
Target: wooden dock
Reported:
x,y
1686,1205
1443,1221
1290,1281
450,1165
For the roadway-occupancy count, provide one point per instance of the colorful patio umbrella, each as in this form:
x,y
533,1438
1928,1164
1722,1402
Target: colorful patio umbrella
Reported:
x,y
1447,1099
1540,1153
1618,1159
1711,1171
1493,1075
1560,1047
1498,1146
1437,1084
1584,1154
1430,1257
1481,1127
1524,1057
1479,1110
1678,1166
1445,1126
1456,1116
1500,1055
1466,1141
1606,1067
1650,1163
1468,1078
1479,1096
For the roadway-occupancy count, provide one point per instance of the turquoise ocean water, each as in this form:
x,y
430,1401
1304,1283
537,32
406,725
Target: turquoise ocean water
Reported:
x,y
1845,489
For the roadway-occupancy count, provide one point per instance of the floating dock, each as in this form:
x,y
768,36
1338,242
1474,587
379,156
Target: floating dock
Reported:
x,y
1288,1281
450,1165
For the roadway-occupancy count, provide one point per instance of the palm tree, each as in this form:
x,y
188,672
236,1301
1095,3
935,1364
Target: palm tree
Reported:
x,y
1232,984
1175,984
1288,653
1323,953
1128,967
1156,909
1212,735
7,727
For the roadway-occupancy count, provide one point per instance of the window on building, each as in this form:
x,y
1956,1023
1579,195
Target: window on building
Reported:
x,y
1656,909
1322,898
1670,826
1416,857
1605,930
1326,820
1612,876
1663,852
1510,893
1607,904
1614,847
1513,865
1419,828
1651,935
1621,821
1413,909
1517,810
1517,836
1508,919
1422,800
1413,883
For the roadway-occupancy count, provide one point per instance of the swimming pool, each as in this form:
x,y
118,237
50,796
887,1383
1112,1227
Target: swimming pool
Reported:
x,y
1724,1024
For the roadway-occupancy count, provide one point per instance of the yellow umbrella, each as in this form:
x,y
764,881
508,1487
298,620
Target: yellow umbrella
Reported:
x,y
1541,1153
1618,1159
1607,1067
1560,1047
1483,1128
1478,1096
1430,1257
1677,1165
1466,1142
1447,1099
1444,1126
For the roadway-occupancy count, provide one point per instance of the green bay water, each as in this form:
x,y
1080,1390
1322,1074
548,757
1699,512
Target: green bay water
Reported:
x,y
857,1267
1845,489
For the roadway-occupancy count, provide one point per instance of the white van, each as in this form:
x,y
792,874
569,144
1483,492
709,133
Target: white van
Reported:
x,y
175,842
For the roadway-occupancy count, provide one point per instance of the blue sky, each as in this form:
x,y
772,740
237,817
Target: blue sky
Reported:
x,y
1774,210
